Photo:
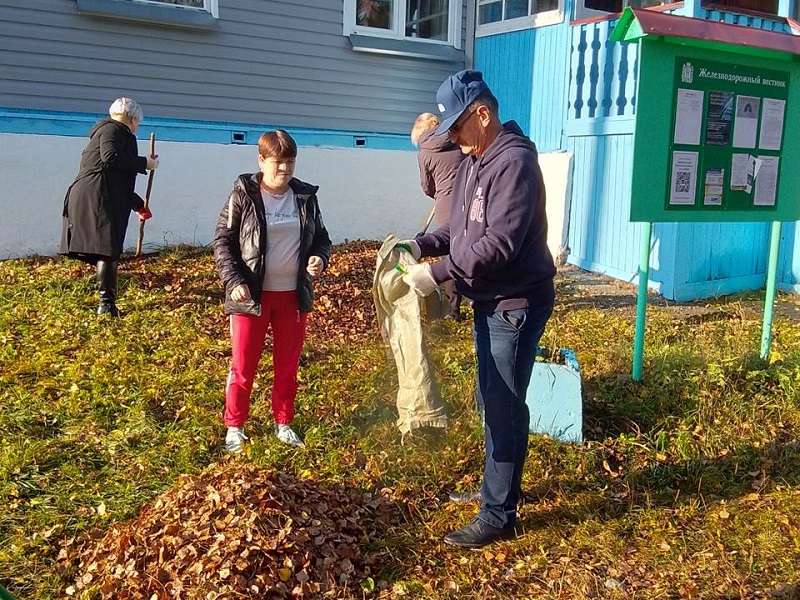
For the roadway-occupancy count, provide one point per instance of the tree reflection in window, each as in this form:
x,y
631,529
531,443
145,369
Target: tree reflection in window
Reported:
x,y
374,13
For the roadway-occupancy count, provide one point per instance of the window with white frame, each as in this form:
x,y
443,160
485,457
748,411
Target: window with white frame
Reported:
x,y
181,13
191,3
593,8
209,6
496,16
769,7
422,20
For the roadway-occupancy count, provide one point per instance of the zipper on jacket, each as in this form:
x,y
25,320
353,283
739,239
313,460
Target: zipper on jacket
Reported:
x,y
464,206
230,212
302,212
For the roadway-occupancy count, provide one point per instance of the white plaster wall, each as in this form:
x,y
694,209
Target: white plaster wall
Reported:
x,y
364,194
557,171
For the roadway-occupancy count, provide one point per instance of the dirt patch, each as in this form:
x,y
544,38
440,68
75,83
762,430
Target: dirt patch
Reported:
x,y
577,288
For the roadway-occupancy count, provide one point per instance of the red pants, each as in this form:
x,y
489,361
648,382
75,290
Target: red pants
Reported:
x,y
279,311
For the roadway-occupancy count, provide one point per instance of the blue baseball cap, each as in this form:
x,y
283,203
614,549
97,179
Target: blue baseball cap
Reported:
x,y
456,94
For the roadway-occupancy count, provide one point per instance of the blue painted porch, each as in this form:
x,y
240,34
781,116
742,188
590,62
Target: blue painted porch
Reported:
x,y
573,90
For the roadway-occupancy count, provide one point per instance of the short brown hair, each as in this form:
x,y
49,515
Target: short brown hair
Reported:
x,y
276,144
423,123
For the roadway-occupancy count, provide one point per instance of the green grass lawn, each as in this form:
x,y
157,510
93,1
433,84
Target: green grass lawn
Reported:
x,y
687,485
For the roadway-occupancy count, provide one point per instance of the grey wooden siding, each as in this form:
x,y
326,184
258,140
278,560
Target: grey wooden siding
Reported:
x,y
277,63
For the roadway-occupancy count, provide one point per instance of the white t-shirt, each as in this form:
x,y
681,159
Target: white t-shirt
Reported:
x,y
283,241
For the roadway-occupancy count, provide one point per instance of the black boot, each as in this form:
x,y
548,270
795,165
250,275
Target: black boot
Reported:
x,y
107,284
478,534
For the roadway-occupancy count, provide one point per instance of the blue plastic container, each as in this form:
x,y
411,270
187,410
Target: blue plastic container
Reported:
x,y
554,398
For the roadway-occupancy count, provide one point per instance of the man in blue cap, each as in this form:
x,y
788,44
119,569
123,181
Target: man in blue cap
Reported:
x,y
495,248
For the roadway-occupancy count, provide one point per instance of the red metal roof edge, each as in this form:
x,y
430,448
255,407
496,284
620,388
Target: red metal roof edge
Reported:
x,y
613,16
657,23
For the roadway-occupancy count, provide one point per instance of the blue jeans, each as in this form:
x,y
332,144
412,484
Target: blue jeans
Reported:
x,y
505,343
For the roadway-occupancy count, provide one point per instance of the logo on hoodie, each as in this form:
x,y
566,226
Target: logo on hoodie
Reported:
x,y
476,209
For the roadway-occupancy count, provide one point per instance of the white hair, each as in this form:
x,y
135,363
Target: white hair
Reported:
x,y
125,107
424,122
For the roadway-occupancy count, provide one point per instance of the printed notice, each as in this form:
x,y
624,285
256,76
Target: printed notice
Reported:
x,y
771,134
742,172
713,187
767,181
689,116
718,122
684,178
745,125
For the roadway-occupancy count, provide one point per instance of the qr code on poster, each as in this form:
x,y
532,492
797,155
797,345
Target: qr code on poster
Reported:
x,y
682,179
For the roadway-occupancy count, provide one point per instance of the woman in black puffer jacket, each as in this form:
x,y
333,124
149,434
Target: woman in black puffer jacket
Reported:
x,y
269,244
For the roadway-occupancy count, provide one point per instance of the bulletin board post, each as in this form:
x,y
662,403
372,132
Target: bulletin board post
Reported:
x,y
641,301
712,141
772,284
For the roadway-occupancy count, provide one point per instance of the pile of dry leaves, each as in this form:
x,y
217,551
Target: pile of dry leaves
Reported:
x,y
236,531
343,308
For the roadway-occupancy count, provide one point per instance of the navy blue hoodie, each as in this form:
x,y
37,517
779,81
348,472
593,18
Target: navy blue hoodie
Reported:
x,y
497,234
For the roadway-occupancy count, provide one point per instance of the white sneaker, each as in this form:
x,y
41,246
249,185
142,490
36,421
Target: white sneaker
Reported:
x,y
235,439
287,435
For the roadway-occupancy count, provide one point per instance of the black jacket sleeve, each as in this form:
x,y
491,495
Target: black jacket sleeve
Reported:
x,y
137,203
321,246
227,252
114,153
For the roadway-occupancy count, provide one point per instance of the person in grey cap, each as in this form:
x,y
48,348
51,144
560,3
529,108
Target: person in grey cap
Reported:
x,y
495,248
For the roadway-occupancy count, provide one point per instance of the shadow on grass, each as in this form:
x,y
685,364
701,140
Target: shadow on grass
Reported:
x,y
676,389
597,301
781,591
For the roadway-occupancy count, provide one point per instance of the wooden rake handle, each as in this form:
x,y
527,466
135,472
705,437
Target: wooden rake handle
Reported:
x,y
147,194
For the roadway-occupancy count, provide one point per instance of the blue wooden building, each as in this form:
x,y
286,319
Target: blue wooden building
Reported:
x,y
557,74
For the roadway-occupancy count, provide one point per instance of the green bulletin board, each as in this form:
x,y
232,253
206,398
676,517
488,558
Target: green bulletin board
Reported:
x,y
727,133
717,115
713,137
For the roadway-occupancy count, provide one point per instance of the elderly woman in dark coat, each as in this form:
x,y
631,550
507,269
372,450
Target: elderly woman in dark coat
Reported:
x,y
100,200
